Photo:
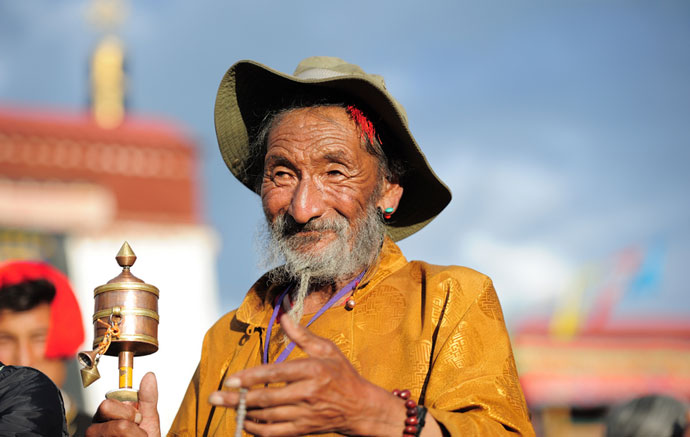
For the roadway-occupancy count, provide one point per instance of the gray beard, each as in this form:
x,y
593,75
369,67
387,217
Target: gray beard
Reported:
x,y
353,250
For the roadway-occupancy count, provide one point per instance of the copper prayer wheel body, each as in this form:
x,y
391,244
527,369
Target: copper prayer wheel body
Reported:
x,y
132,305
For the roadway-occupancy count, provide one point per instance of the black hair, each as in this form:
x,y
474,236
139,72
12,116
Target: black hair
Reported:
x,y
26,295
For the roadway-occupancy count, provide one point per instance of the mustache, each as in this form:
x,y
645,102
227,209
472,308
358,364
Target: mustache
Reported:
x,y
286,226
354,247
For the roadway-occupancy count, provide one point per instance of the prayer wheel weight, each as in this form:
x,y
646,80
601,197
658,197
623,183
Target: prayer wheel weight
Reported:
x,y
125,324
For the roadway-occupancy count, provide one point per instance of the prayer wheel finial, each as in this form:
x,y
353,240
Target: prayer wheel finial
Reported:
x,y
125,257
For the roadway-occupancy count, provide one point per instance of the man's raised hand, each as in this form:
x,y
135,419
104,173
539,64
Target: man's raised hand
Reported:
x,y
322,393
114,418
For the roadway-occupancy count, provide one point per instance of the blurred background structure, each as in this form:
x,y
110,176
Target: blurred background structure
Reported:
x,y
561,128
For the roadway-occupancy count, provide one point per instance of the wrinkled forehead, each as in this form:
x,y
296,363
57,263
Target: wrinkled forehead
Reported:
x,y
320,125
314,115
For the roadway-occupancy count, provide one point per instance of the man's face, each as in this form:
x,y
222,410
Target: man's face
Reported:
x,y
23,341
316,171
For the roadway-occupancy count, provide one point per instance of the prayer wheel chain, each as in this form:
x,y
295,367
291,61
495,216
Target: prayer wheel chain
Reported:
x,y
112,332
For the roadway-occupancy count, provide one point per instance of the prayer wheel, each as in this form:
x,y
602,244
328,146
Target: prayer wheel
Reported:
x,y
125,324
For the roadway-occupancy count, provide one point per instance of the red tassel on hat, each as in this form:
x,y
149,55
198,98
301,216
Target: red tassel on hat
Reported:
x,y
66,331
366,127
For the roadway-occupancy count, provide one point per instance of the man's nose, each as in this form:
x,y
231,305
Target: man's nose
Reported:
x,y
25,355
307,201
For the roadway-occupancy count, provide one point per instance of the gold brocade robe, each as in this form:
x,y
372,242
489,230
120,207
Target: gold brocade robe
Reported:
x,y
435,330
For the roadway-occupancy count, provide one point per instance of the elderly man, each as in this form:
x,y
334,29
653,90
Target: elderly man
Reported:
x,y
346,336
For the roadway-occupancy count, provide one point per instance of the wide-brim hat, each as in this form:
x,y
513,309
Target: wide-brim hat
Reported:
x,y
249,91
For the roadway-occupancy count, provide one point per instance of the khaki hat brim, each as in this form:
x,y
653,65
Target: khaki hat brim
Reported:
x,y
249,90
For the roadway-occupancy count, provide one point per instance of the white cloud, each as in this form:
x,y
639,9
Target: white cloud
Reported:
x,y
522,272
502,195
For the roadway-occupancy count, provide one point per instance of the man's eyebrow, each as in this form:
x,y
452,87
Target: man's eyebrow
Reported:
x,y
41,333
337,156
275,160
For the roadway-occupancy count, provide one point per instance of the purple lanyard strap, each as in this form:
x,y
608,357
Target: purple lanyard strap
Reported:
x,y
283,356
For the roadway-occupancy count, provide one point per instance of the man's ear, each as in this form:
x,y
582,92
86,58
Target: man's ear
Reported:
x,y
390,195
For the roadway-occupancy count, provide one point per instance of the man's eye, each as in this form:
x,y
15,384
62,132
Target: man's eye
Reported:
x,y
335,173
39,338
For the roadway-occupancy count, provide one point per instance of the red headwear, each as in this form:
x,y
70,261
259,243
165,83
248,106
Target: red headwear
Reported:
x,y
66,331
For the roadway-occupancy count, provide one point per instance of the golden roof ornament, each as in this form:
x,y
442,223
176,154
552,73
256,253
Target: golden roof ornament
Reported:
x,y
107,70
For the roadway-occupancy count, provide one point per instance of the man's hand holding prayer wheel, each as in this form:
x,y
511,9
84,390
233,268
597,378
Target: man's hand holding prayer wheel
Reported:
x,y
115,418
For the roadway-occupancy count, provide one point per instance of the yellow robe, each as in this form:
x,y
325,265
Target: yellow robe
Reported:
x,y
435,330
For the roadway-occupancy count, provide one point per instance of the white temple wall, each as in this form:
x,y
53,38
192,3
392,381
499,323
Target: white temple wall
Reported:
x,y
178,259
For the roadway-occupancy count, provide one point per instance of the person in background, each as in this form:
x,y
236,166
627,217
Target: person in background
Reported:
x,y
30,404
649,416
40,324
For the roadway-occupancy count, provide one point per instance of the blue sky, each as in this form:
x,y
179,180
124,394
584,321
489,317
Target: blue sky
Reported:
x,y
560,126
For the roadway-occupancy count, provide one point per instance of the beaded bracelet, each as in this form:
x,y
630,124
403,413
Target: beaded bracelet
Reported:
x,y
416,414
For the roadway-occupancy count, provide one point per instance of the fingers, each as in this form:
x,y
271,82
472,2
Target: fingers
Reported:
x,y
111,409
148,391
287,372
115,418
118,419
148,396
265,397
148,405
275,429
311,344
284,413
276,417
298,405
115,428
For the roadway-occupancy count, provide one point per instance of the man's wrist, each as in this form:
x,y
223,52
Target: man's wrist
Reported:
x,y
383,416
415,414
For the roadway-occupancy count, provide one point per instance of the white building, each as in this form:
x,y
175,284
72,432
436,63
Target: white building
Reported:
x,y
72,192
